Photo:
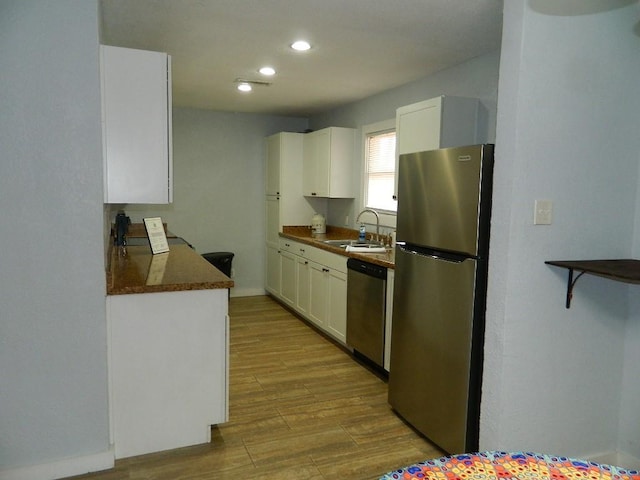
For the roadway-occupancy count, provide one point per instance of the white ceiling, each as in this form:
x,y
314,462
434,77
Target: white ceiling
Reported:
x,y
360,47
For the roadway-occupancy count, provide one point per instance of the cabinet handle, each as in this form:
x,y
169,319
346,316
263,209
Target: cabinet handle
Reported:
x,y
313,193
326,270
306,263
395,197
302,250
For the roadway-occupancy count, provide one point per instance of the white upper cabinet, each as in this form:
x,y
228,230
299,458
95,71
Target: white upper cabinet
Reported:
x,y
136,111
283,184
284,164
274,149
328,163
440,122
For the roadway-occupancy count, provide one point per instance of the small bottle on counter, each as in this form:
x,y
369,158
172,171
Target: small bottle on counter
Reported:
x,y
363,233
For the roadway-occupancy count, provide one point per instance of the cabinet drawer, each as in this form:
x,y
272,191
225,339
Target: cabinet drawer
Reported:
x,y
330,260
294,247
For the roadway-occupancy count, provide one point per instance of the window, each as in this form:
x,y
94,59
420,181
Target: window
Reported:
x,y
380,166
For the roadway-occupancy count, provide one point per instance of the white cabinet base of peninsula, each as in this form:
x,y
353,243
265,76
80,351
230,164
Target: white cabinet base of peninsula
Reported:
x,y
168,369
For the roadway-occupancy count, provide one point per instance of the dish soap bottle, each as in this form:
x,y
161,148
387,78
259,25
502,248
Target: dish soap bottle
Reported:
x,y
363,233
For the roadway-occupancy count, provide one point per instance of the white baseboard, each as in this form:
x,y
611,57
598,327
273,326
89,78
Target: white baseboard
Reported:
x,y
247,292
62,468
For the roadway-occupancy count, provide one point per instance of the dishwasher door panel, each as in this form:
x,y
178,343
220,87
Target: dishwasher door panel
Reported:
x,y
366,300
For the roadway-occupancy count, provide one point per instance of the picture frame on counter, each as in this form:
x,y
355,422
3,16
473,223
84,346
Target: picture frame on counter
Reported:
x,y
156,234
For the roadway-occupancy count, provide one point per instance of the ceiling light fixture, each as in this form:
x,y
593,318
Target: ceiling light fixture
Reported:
x,y
301,46
267,71
247,85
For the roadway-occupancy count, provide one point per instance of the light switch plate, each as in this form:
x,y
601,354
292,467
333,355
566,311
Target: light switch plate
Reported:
x,y
542,212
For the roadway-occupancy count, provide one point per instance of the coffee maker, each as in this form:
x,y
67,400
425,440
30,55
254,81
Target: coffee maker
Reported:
x,y
121,229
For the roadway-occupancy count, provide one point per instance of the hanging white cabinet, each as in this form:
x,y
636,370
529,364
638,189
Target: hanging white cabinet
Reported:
x,y
136,111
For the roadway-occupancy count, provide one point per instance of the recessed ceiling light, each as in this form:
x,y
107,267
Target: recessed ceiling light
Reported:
x,y
300,45
268,71
244,87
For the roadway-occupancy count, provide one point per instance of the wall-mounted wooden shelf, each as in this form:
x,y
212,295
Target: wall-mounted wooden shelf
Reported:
x,y
620,270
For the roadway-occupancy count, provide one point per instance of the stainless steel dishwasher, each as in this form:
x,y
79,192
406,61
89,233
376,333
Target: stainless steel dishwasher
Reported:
x,y
366,299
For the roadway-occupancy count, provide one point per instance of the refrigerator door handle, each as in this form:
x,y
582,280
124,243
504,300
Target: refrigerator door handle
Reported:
x,y
433,253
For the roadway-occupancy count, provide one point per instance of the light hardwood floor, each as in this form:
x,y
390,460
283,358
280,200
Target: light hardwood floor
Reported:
x,y
300,408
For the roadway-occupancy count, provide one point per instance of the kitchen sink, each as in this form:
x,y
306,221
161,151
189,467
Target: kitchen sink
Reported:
x,y
354,243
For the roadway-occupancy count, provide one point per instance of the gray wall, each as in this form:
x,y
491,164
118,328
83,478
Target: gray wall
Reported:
x,y
219,187
558,380
53,380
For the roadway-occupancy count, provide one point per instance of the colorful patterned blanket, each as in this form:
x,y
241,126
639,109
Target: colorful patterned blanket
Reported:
x,y
510,466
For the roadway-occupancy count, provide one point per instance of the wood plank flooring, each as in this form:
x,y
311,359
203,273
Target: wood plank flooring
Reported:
x,y
300,408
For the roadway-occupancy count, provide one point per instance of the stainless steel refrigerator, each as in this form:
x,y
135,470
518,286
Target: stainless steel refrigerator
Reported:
x,y
444,207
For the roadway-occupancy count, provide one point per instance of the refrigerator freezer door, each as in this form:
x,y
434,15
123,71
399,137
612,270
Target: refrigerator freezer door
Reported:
x,y
440,201
431,346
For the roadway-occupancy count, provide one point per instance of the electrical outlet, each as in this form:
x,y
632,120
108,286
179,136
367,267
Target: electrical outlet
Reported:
x,y
542,212
233,272
346,220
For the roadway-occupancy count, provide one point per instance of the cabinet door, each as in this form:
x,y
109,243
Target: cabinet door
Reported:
x,y
316,158
318,288
328,163
272,273
273,165
136,103
273,219
288,278
337,315
417,129
303,294
419,126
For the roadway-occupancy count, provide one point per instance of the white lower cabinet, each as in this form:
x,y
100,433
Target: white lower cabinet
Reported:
x,y
337,309
318,294
303,293
272,283
288,278
314,283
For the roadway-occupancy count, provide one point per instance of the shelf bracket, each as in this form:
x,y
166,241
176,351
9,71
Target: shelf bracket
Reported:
x,y
620,270
570,284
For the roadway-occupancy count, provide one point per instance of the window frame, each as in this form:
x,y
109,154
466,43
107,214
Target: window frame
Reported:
x,y
387,217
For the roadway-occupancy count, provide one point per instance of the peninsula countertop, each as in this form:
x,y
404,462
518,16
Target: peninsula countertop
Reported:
x,y
182,268
303,234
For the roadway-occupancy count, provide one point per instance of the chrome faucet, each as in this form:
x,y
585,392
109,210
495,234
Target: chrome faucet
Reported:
x,y
371,210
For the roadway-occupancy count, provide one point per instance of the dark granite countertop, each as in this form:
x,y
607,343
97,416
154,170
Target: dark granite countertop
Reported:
x,y
182,268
